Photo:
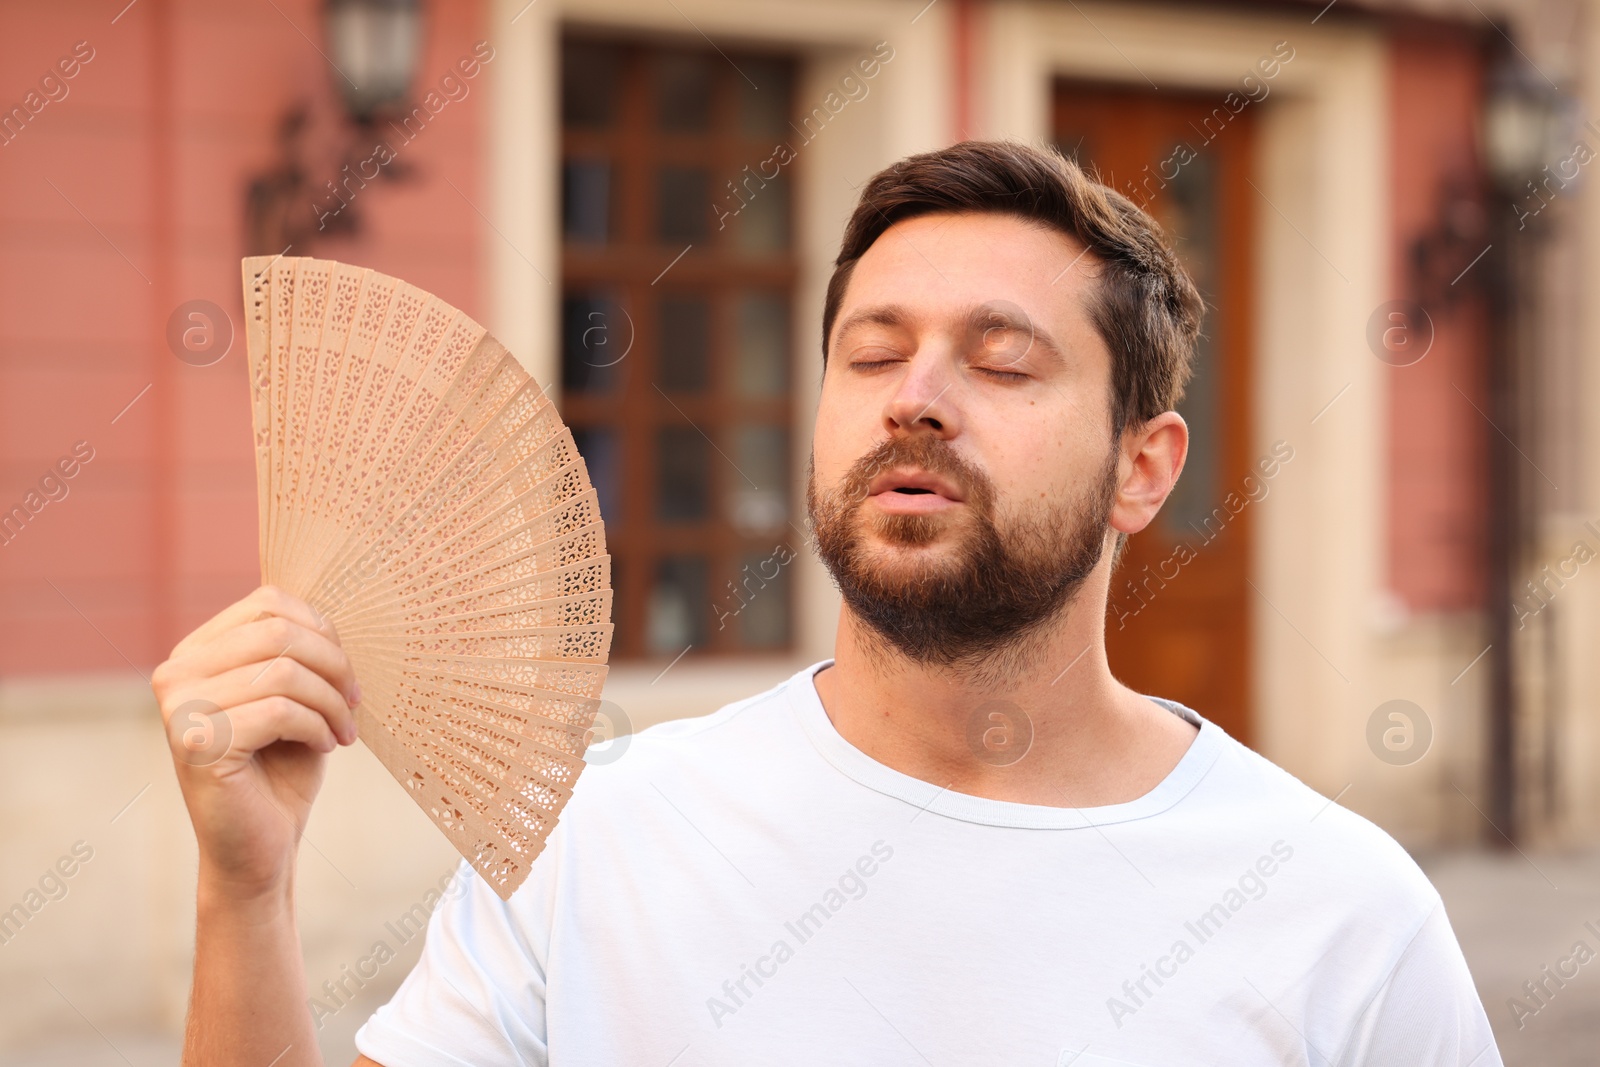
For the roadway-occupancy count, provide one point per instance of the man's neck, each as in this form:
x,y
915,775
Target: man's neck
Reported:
x,y
1052,728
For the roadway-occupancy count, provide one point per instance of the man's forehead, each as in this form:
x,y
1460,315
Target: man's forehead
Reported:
x,y
958,244
945,269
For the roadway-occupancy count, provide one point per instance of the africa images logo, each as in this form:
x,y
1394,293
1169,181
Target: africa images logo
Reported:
x,y
851,885
1251,885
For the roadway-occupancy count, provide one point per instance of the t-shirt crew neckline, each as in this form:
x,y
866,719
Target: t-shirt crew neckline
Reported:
x,y
832,746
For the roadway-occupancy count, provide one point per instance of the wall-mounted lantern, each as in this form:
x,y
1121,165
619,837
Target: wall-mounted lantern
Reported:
x,y
374,47
1524,124
375,44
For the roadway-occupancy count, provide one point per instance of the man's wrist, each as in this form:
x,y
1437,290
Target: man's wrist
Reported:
x,y
220,897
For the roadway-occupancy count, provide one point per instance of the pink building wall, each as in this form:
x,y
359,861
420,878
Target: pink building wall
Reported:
x,y
1436,461
122,198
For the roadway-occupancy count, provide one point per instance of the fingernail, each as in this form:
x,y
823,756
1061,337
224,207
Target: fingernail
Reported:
x,y
355,694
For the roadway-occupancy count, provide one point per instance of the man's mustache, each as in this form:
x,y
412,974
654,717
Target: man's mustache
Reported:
x,y
928,453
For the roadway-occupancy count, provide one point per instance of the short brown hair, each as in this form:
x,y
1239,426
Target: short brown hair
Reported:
x,y
1146,308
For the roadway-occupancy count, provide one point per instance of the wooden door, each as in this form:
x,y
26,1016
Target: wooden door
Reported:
x,y
1179,618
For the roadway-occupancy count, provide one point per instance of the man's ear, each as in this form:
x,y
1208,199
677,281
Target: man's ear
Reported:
x,y
1152,459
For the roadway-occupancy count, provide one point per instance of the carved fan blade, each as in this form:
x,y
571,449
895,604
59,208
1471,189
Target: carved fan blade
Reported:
x,y
418,488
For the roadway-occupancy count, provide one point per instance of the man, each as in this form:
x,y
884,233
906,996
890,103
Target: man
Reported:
x,y
960,840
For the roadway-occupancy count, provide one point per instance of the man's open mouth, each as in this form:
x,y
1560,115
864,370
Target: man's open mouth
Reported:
x,y
907,482
915,499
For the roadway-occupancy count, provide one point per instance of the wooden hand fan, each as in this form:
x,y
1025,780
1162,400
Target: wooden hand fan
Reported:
x,y
418,488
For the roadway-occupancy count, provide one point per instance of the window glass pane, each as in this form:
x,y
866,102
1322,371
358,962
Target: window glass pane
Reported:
x,y
683,202
761,365
595,334
676,616
586,200
761,453
764,108
764,219
683,474
758,597
1189,211
683,91
598,447
685,331
590,74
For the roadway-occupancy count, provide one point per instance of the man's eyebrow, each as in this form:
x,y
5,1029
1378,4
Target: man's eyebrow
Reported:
x,y
989,316
876,315
980,317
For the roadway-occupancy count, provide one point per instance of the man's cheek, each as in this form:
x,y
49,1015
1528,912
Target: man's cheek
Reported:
x,y
829,467
844,435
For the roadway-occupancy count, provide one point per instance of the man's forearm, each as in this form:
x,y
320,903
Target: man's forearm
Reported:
x,y
248,1005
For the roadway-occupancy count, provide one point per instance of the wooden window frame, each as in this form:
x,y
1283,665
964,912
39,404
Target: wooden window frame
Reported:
x,y
638,268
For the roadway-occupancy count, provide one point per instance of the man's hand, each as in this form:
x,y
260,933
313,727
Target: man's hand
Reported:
x,y
253,701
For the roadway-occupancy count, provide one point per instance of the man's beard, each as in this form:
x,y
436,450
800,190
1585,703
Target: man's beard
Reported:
x,y
996,588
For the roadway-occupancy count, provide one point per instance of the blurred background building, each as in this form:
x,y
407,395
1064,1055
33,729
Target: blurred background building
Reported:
x,y
1377,569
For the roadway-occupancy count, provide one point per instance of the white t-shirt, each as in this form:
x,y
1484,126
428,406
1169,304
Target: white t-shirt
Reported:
x,y
748,888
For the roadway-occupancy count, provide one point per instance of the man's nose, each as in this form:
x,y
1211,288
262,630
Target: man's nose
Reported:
x,y
925,397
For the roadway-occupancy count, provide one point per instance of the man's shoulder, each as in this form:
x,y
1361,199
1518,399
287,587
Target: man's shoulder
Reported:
x,y
1348,852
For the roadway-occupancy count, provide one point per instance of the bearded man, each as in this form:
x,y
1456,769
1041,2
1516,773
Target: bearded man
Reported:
x,y
958,841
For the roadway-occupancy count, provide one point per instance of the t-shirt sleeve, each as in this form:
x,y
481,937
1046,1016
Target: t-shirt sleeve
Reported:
x,y
1427,1013
476,998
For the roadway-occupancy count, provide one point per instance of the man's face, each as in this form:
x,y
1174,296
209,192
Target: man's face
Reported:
x,y
963,359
